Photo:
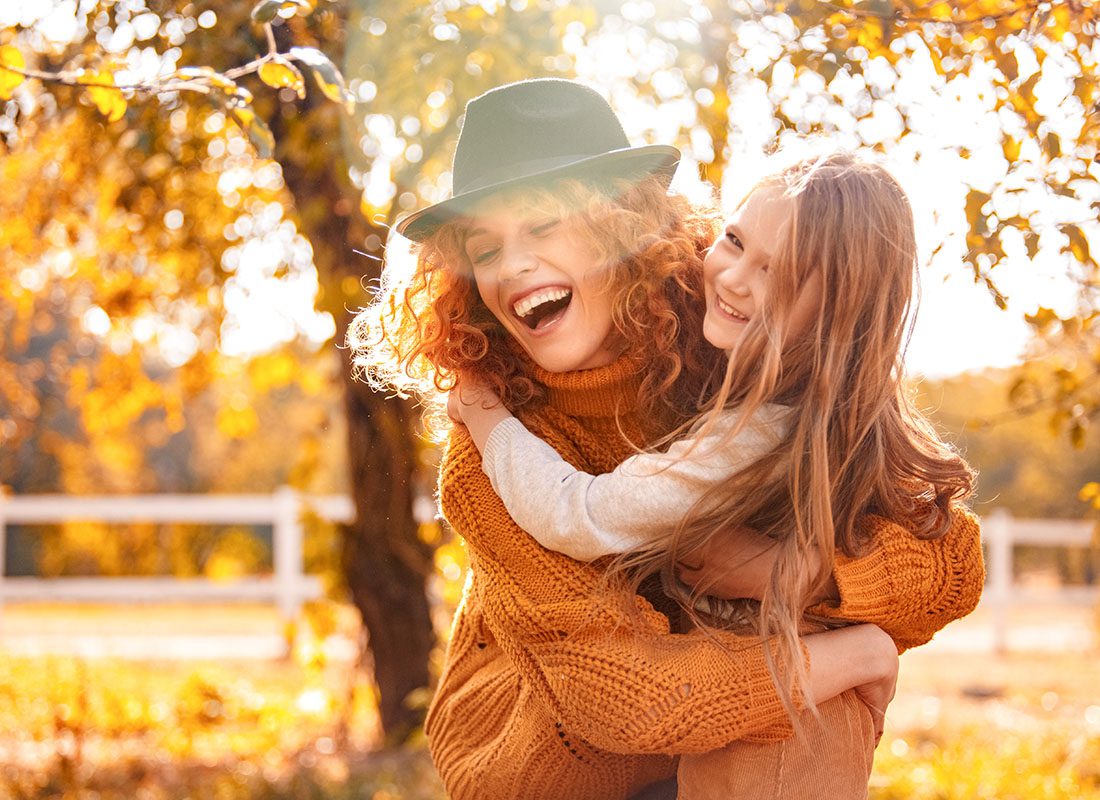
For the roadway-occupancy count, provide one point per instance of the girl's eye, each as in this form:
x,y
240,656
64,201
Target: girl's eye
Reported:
x,y
731,237
543,228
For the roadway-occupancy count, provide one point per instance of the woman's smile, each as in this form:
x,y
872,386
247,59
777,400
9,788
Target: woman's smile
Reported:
x,y
544,283
542,307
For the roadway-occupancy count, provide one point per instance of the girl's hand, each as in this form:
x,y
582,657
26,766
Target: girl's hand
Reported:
x,y
478,408
468,398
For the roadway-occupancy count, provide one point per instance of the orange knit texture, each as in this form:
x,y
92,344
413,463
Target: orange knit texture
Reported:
x,y
547,693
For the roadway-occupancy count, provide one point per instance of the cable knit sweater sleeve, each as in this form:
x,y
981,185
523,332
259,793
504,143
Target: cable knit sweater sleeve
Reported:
x,y
622,683
910,587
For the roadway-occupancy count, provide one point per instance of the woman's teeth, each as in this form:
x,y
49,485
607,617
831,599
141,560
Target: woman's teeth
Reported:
x,y
525,306
733,312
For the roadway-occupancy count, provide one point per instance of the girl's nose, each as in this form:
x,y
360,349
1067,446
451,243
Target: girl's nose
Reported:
x,y
735,279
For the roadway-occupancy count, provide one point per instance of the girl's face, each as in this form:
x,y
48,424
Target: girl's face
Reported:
x,y
545,285
735,269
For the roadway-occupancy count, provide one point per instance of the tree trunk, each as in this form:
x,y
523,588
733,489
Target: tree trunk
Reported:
x,y
384,562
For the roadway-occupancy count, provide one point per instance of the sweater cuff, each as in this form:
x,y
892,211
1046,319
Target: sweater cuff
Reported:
x,y
865,586
497,443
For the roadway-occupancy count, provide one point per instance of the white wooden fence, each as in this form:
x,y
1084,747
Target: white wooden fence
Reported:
x,y
1001,533
289,587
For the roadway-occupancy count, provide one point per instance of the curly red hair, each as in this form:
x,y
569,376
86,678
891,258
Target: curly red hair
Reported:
x,y
420,334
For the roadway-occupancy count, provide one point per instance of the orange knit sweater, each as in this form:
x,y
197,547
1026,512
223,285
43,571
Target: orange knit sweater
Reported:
x,y
547,694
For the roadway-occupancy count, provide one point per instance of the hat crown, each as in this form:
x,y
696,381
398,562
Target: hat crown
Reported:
x,y
536,132
533,124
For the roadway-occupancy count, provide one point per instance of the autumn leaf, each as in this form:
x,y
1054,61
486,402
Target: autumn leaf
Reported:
x,y
280,74
328,77
1042,319
108,100
1078,245
267,10
255,129
209,76
10,57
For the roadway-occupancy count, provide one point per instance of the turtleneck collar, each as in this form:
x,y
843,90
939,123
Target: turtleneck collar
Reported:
x,y
600,392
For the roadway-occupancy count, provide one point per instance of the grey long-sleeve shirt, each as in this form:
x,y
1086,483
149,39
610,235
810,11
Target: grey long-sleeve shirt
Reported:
x,y
589,516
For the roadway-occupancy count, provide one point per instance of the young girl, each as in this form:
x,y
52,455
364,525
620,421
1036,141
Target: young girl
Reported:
x,y
582,309
807,290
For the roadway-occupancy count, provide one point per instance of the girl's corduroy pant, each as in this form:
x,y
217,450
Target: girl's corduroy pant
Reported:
x,y
832,761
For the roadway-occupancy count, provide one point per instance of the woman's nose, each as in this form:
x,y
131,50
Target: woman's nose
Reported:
x,y
515,261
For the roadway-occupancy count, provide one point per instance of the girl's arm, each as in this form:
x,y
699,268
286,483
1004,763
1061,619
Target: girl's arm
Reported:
x,y
589,516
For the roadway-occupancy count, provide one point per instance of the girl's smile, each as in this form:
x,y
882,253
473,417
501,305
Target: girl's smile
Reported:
x,y
736,269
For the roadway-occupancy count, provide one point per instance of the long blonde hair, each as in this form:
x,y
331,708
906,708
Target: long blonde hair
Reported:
x,y
855,445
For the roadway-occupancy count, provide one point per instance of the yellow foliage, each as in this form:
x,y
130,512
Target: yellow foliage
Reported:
x,y
450,565
942,11
107,99
281,73
312,382
870,34
237,422
9,80
237,553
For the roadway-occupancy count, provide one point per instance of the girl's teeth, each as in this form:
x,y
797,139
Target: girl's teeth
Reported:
x,y
731,310
532,301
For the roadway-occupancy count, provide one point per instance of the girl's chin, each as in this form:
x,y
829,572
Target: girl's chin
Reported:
x,y
722,335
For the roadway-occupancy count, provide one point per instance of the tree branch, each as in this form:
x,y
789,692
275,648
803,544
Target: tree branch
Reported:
x,y
900,16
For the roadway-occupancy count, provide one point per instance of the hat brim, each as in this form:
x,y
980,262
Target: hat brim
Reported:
x,y
634,163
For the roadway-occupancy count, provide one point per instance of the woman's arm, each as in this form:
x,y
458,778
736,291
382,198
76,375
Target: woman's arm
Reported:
x,y
909,587
619,679
589,516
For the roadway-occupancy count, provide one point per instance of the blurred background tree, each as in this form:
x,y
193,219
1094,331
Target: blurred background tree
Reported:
x,y
142,224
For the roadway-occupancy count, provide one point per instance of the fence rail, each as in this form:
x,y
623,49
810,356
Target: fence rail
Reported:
x,y
289,587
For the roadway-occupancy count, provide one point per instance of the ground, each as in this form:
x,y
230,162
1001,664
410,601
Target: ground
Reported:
x,y
236,723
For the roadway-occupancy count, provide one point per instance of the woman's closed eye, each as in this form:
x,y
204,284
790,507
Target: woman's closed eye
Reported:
x,y
480,258
544,227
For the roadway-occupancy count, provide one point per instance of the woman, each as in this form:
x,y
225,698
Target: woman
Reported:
x,y
591,334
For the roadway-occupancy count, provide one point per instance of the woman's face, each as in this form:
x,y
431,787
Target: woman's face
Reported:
x,y
735,269
544,284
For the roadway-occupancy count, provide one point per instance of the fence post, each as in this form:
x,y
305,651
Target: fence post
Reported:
x,y
287,555
999,528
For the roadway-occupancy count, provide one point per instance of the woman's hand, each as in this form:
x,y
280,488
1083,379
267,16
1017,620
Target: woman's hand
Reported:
x,y
860,657
477,407
877,694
